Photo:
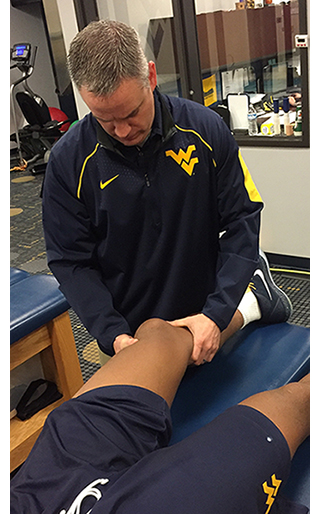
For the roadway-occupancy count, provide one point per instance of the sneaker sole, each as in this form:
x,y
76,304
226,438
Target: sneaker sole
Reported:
x,y
285,300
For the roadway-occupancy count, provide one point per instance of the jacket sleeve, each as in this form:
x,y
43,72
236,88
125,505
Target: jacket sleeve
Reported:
x,y
239,206
71,257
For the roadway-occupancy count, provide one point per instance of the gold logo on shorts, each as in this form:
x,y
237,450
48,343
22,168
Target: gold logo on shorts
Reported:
x,y
184,158
271,491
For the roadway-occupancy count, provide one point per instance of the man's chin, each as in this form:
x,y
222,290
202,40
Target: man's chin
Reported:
x,y
138,140
132,141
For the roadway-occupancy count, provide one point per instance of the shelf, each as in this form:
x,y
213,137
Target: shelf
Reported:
x,y
23,434
54,342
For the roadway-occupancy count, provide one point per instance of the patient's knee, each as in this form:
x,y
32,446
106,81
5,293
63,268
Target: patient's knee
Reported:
x,y
153,325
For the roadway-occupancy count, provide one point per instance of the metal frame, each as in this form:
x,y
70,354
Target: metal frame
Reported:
x,y
184,15
304,56
86,11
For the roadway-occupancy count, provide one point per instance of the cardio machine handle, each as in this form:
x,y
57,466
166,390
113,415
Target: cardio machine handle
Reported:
x,y
33,56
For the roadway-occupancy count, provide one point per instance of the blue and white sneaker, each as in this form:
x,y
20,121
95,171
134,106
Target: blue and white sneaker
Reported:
x,y
275,306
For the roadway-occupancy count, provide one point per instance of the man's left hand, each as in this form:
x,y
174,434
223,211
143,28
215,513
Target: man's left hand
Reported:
x,y
122,341
206,336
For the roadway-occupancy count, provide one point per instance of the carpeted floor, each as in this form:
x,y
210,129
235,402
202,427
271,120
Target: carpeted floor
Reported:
x,y
28,253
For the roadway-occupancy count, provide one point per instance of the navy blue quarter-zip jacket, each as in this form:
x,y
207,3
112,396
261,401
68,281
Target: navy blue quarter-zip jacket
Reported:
x,y
166,230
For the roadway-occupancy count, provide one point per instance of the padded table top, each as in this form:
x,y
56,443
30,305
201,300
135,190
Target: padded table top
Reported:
x,y
255,359
17,274
34,301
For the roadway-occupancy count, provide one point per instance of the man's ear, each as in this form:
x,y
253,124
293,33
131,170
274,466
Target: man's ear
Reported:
x,y
152,75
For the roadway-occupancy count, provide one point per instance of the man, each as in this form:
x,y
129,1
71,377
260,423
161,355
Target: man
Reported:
x,y
148,207
106,449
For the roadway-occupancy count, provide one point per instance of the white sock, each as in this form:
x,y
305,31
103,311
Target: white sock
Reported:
x,y
249,308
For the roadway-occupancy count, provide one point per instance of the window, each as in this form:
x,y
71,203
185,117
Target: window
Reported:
x,y
251,60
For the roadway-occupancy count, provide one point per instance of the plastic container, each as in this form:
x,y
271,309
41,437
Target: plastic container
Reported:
x,y
286,116
297,130
252,121
276,117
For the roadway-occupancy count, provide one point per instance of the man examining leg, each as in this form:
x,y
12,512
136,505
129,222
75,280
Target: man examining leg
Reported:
x,y
148,207
106,449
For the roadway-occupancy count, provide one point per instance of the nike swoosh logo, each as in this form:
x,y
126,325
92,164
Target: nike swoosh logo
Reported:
x,y
261,275
105,184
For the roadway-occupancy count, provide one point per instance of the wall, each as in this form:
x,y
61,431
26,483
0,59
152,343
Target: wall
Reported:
x,y
282,177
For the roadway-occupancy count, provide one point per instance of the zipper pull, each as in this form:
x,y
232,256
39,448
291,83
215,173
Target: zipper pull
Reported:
x,y
147,179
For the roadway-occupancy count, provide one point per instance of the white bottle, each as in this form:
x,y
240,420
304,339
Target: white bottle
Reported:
x,y
252,121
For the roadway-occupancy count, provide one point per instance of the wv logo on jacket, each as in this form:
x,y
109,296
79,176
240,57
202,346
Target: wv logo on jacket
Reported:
x,y
184,158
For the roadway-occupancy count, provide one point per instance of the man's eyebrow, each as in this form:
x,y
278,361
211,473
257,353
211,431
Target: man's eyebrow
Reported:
x,y
134,110
133,113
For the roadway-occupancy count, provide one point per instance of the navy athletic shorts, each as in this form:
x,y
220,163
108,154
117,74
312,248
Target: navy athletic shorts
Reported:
x,y
107,451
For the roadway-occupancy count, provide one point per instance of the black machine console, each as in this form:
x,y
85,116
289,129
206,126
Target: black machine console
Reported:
x,y
21,53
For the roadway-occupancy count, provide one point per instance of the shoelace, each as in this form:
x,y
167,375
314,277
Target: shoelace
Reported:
x,y
250,287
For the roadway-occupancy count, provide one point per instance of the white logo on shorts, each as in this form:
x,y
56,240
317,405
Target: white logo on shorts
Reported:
x,y
90,490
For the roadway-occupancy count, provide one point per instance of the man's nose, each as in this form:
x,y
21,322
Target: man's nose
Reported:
x,y
121,129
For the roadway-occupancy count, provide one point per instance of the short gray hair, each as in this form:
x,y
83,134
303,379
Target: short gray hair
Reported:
x,y
103,54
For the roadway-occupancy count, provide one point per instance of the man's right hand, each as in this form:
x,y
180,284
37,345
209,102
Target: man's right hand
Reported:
x,y
122,341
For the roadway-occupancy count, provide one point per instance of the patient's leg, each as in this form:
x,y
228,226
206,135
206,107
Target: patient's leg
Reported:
x,y
288,408
236,463
156,362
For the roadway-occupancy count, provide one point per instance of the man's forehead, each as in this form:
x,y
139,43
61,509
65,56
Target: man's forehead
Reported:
x,y
117,111
121,104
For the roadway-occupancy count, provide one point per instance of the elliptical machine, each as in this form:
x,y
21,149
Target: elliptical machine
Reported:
x,y
35,140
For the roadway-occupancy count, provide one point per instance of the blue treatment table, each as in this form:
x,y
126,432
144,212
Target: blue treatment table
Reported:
x,y
40,325
258,358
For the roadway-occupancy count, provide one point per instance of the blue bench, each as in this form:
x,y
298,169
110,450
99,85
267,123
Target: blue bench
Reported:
x,y
34,300
40,324
255,359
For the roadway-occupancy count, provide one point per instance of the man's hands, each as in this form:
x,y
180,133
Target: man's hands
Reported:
x,y
122,341
206,336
